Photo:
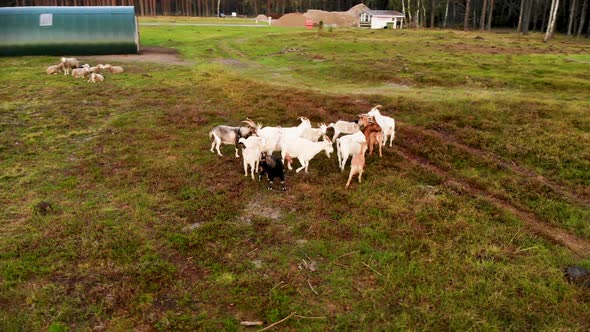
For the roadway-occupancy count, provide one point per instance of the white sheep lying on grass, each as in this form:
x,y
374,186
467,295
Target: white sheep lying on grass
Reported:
x,y
55,69
80,72
94,77
113,69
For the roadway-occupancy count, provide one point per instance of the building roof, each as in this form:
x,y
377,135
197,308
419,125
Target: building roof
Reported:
x,y
67,10
384,13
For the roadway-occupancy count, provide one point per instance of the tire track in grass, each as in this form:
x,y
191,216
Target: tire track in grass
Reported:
x,y
582,198
577,245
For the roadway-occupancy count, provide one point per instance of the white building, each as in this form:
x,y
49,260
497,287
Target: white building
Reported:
x,y
378,19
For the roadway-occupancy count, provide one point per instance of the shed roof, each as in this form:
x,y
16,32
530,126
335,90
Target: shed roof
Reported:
x,y
384,12
68,10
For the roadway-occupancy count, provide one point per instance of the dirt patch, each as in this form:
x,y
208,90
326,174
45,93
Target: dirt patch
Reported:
x,y
339,19
164,55
232,62
256,208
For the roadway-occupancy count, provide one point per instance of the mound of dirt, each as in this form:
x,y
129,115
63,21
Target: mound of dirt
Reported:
x,y
290,20
357,10
339,19
261,17
349,18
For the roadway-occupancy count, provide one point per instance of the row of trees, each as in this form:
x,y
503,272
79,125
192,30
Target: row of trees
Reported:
x,y
524,15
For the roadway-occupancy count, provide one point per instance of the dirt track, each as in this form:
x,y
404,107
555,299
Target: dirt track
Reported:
x,y
168,56
577,245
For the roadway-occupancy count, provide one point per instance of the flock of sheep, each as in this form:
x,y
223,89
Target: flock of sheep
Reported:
x,y
303,142
72,65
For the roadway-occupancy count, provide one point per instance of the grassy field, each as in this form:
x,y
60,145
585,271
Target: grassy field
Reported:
x,y
467,222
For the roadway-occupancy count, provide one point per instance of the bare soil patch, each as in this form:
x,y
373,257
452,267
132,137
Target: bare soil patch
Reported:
x,y
256,208
163,55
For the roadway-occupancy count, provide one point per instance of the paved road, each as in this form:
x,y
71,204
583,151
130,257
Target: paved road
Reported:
x,y
207,24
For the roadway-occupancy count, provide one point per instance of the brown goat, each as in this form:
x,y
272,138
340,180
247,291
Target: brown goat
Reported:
x,y
357,164
373,134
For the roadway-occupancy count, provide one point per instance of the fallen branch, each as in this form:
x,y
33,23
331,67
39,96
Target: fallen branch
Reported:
x,y
311,317
310,286
276,323
248,323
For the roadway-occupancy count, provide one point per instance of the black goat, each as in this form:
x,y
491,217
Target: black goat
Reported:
x,y
272,166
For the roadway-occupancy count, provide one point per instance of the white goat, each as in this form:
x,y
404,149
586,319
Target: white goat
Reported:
x,y
343,127
69,64
251,153
80,72
274,136
387,124
349,145
55,69
314,134
94,77
357,165
305,150
230,135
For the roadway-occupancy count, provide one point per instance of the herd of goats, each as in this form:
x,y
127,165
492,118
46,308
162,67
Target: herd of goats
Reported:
x,y
303,142
94,74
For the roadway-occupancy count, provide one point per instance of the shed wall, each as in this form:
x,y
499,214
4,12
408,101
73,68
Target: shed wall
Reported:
x,y
73,31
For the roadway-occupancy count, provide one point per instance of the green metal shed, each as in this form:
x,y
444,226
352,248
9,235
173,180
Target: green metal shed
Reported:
x,y
68,30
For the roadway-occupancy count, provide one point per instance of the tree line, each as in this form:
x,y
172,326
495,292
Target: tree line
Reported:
x,y
567,16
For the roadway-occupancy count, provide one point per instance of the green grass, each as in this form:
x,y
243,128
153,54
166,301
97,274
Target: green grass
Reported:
x,y
151,231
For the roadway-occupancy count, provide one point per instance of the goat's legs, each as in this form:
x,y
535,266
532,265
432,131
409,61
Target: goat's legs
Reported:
x,y
344,160
213,145
216,143
379,141
289,160
237,155
392,136
303,163
349,178
336,133
299,169
360,175
306,165
245,167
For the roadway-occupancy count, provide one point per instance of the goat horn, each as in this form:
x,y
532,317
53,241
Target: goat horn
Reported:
x,y
249,122
378,106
